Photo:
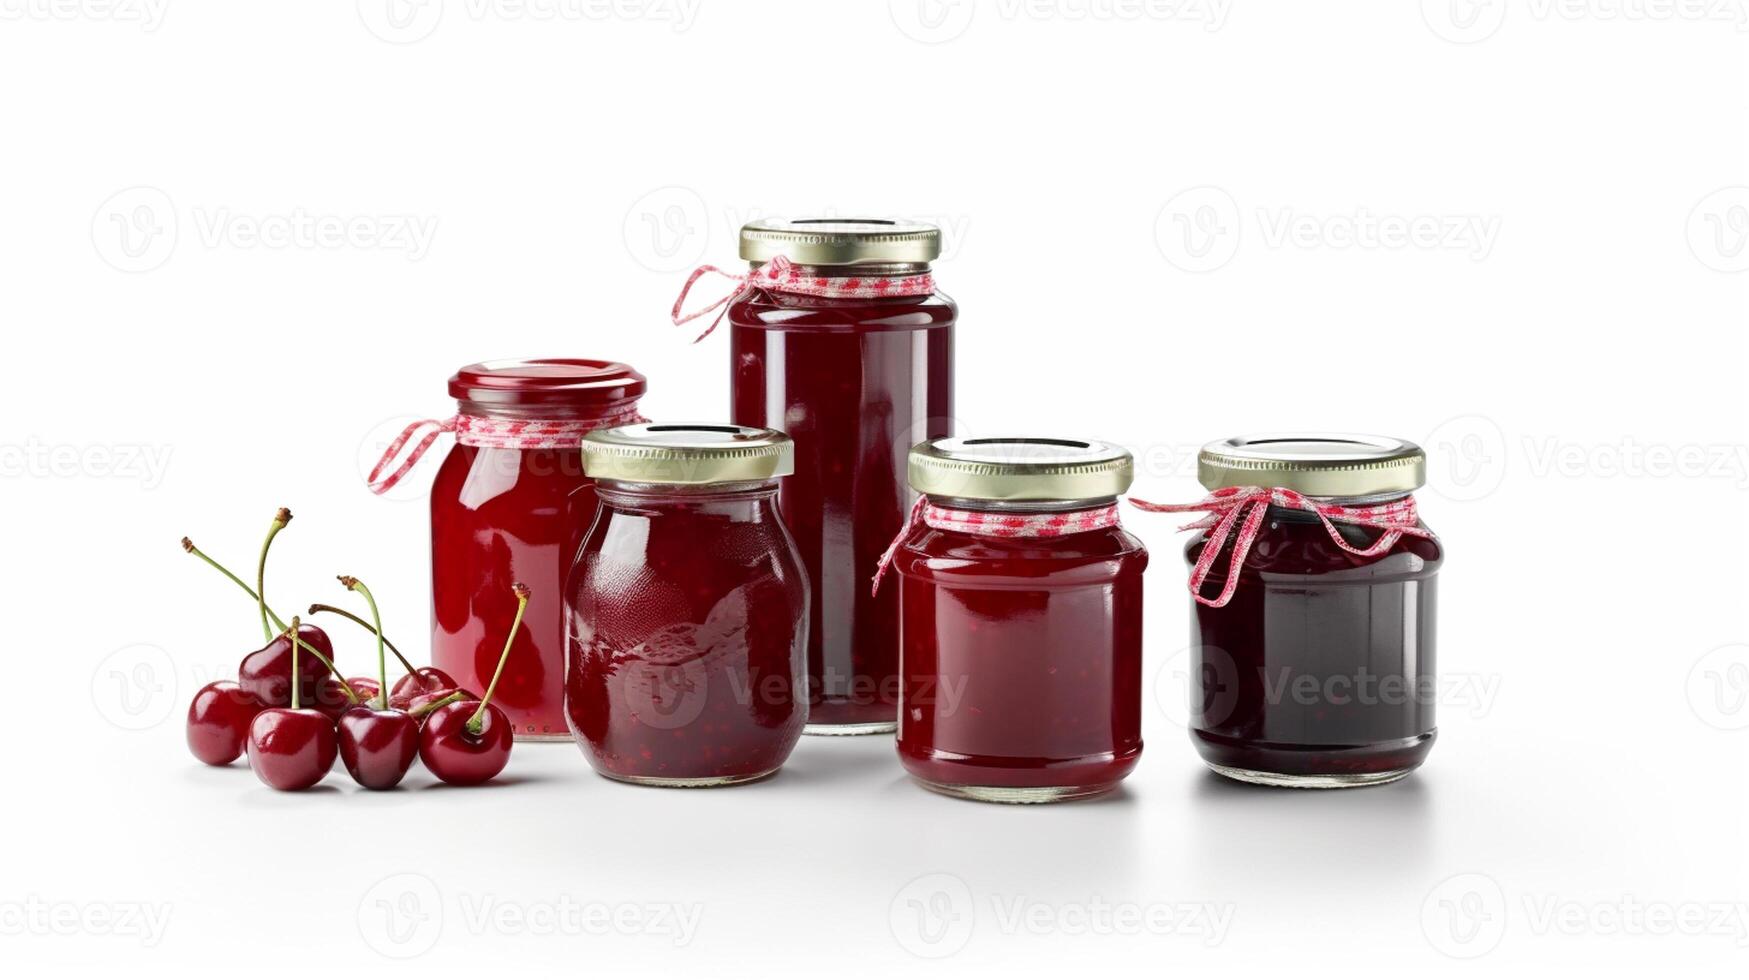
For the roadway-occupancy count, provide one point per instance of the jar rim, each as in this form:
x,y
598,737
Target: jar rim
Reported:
x,y
1317,464
687,453
1020,468
841,241
546,381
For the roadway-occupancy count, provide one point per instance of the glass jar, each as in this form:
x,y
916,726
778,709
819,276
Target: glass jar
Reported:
x,y
509,504
1318,672
854,381
688,608
1020,607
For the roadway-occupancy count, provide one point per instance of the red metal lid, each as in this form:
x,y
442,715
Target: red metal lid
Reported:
x,y
551,381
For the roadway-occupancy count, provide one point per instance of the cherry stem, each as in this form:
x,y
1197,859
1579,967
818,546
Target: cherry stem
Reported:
x,y
278,623
280,520
376,618
430,706
297,702
316,607
477,720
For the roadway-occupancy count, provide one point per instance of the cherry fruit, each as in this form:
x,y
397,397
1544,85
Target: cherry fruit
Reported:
x,y
468,742
291,748
218,722
377,742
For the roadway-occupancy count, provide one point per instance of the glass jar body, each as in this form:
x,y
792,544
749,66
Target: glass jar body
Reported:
x,y
501,516
1320,671
1022,662
688,636
854,382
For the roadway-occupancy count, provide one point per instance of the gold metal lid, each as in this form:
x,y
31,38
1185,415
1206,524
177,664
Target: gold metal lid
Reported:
x,y
1315,464
1020,469
687,453
841,241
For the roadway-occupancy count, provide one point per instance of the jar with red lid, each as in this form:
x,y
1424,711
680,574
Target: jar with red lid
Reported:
x,y
1315,600
1020,601
688,608
510,504
841,340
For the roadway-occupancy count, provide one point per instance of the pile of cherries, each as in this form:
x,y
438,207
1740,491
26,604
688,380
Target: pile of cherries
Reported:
x,y
292,713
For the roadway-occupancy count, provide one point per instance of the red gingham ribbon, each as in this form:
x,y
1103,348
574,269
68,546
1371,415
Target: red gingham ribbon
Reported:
x,y
781,275
1229,505
996,524
490,433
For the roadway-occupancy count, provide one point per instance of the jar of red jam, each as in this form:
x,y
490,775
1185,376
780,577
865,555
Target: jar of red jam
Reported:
x,y
842,341
1315,600
510,504
1020,609
688,608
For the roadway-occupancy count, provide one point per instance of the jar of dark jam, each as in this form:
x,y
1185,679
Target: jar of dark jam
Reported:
x,y
509,504
1020,609
855,380
688,609
1318,672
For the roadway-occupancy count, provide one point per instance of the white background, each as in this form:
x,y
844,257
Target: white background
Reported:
x,y
1517,233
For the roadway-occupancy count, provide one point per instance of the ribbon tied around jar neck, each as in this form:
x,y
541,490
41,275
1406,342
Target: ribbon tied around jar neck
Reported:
x,y
781,275
996,524
489,433
1245,509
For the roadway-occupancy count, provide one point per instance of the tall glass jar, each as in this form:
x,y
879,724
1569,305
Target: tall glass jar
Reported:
x,y
855,381
688,608
1021,621
510,504
1318,669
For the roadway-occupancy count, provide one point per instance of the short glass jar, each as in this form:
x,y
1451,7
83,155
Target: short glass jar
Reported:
x,y
688,608
510,504
855,370
1318,672
1020,617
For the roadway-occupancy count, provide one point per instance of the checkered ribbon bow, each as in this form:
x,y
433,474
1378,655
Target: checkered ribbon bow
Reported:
x,y
490,433
996,524
781,275
1246,507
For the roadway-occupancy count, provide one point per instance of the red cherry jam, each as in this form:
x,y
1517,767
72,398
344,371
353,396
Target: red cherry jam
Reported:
x,y
505,515
1319,672
854,382
688,609
1022,652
